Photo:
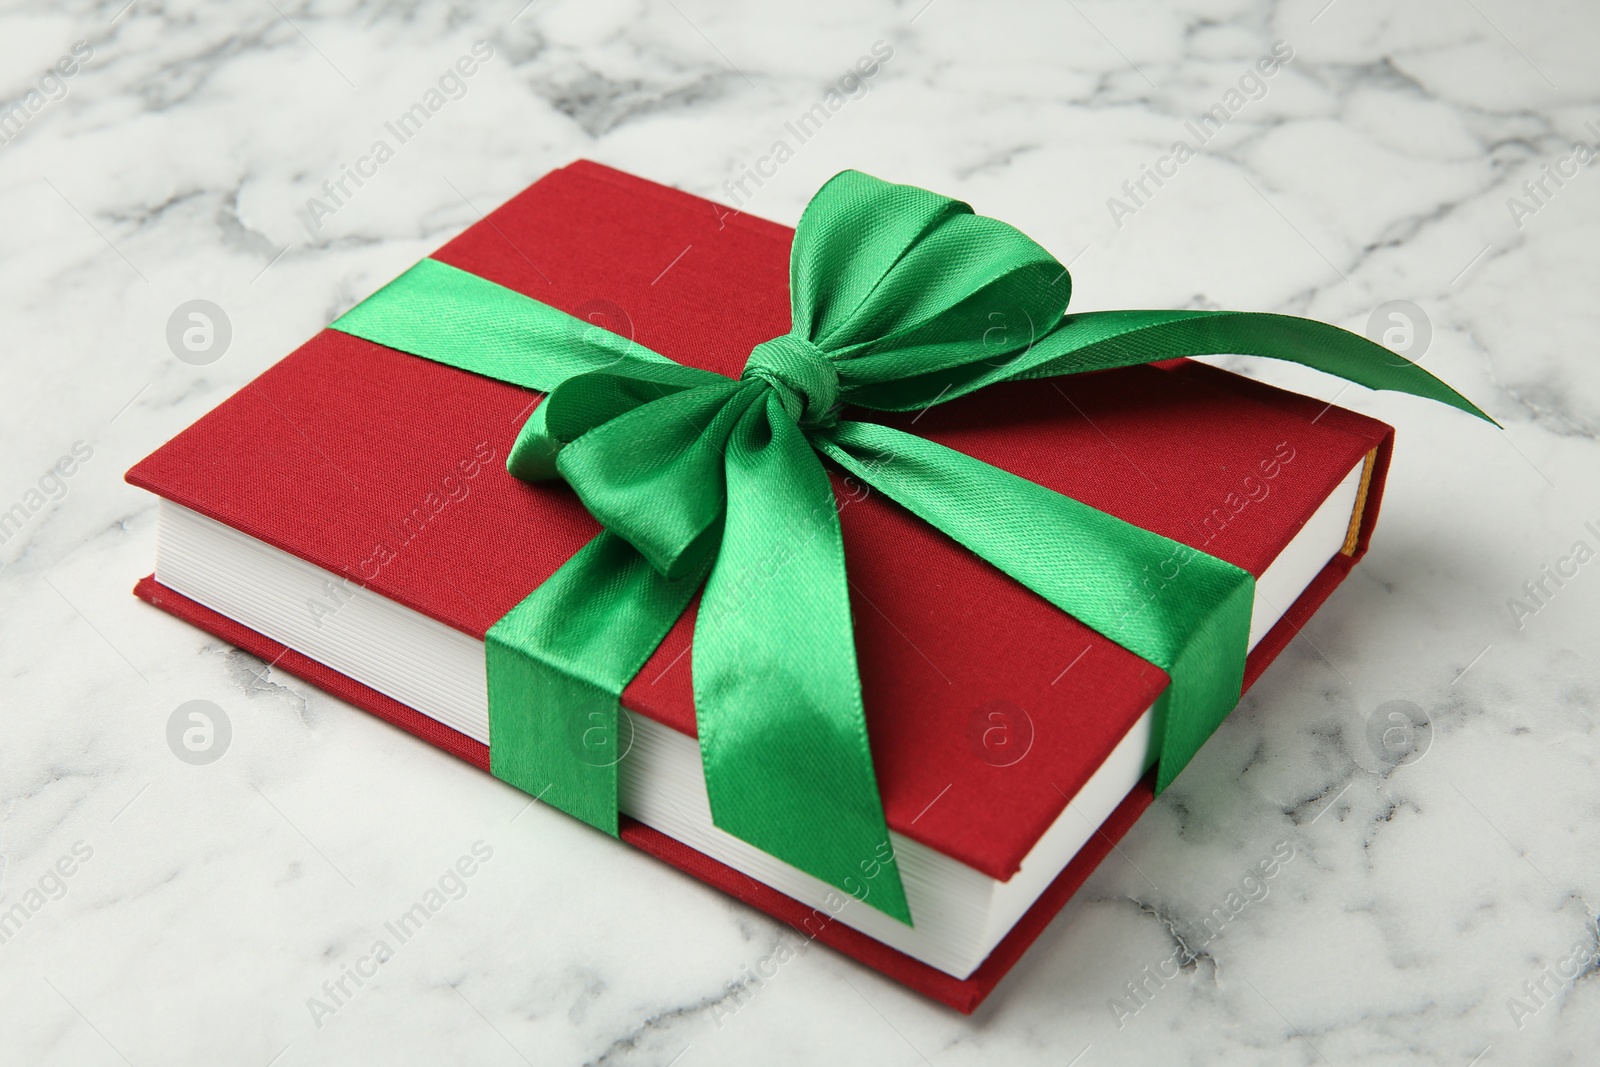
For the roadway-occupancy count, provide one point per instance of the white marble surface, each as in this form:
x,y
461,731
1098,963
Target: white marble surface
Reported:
x,y
217,899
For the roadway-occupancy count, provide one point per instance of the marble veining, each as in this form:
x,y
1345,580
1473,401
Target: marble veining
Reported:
x,y
1439,900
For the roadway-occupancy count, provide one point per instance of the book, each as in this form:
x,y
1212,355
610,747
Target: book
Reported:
x,y
348,515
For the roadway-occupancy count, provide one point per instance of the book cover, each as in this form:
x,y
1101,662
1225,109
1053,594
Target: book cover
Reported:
x,y
388,470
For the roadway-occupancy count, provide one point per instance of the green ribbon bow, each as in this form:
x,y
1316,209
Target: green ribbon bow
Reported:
x,y
896,293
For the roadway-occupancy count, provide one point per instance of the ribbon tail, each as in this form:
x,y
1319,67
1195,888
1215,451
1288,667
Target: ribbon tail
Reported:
x,y
777,693
557,664
1103,339
1177,607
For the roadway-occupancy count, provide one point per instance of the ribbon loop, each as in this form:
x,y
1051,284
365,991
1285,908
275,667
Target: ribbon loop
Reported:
x,y
801,374
654,475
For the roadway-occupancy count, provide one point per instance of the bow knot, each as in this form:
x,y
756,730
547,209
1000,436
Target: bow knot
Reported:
x,y
802,375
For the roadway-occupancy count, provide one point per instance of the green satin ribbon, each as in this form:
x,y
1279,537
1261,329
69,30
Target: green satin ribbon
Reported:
x,y
901,299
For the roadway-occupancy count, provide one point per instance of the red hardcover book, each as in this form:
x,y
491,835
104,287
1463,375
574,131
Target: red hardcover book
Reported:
x,y
381,477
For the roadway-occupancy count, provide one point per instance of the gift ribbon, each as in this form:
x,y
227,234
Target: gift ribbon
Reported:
x,y
901,299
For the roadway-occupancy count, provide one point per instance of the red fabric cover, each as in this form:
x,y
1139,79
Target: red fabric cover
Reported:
x,y
344,447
